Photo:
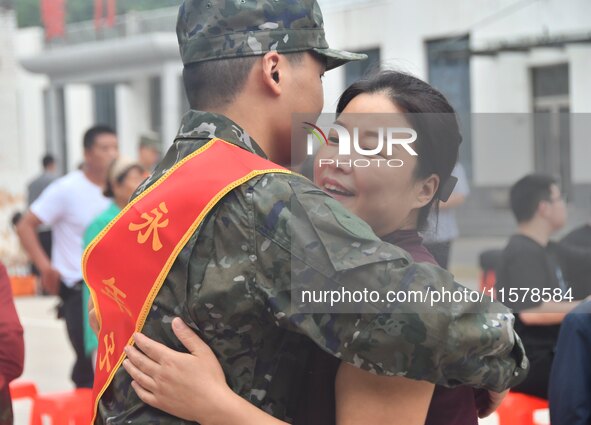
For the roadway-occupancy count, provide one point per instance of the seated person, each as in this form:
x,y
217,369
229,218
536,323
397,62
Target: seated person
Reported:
x,y
579,238
570,380
530,261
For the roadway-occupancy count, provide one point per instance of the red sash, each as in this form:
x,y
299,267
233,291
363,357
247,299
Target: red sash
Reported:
x,y
126,264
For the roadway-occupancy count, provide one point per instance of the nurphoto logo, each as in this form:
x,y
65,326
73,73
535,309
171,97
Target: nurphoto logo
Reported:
x,y
387,137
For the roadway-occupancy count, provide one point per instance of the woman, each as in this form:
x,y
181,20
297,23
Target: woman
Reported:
x,y
123,177
395,202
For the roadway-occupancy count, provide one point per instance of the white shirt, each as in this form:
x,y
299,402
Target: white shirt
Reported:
x,y
68,206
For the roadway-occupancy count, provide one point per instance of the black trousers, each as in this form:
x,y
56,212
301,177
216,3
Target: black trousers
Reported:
x,y
71,311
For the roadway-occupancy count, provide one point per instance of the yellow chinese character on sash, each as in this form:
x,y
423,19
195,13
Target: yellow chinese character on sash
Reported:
x,y
105,359
116,294
153,222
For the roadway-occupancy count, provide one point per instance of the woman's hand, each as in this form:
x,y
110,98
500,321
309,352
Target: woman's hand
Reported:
x,y
190,386
92,319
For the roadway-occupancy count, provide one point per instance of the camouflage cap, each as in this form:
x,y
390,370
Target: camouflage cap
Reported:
x,y
215,29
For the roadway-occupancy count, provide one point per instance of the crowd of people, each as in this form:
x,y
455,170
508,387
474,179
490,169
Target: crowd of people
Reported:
x,y
222,340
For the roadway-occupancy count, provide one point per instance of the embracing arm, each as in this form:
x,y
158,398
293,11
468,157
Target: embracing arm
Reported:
x,y
191,386
309,243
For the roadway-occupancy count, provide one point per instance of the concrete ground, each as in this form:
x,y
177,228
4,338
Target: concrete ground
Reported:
x,y
49,356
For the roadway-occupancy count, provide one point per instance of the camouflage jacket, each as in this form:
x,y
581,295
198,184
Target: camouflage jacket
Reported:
x,y
232,284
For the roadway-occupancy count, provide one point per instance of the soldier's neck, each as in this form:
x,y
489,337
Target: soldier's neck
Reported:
x,y
254,123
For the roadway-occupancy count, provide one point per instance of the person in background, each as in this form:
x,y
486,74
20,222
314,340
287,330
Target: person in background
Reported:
x,y
149,151
47,176
581,236
570,380
123,178
12,347
34,190
442,229
531,261
68,206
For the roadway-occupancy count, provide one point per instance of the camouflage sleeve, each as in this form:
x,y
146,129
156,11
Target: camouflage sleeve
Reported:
x,y
307,241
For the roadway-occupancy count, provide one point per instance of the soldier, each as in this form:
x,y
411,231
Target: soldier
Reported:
x,y
249,65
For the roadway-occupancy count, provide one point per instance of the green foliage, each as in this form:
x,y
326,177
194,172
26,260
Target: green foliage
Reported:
x,y
83,10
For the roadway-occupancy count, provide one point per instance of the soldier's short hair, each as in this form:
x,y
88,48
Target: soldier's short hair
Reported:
x,y
217,83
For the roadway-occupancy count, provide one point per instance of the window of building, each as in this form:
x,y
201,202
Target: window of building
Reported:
x,y
54,111
105,105
355,70
551,105
449,72
156,105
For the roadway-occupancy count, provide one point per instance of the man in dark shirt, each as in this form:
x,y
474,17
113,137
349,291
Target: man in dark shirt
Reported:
x,y
531,279
34,190
38,185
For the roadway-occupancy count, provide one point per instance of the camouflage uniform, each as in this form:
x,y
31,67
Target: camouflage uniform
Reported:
x,y
232,282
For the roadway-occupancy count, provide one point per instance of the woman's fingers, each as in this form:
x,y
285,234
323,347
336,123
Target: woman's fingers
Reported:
x,y
154,350
187,337
147,382
141,361
144,395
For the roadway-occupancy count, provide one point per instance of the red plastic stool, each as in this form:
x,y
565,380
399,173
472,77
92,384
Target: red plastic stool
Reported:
x,y
63,408
487,282
518,409
23,389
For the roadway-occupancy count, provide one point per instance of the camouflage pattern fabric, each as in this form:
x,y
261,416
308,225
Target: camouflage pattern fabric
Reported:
x,y
232,284
215,29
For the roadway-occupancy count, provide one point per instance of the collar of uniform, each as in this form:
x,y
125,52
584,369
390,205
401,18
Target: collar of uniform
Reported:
x,y
207,125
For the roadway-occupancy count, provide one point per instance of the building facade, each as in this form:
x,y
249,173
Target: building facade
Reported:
x,y
517,72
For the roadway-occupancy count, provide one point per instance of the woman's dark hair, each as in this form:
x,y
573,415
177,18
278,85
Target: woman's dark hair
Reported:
x,y
430,115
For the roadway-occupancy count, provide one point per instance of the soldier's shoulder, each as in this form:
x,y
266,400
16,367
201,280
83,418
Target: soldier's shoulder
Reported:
x,y
284,183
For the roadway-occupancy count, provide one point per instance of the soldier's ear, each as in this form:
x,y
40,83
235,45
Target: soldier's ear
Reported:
x,y
271,64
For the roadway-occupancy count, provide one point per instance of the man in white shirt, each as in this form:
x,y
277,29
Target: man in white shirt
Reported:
x,y
68,206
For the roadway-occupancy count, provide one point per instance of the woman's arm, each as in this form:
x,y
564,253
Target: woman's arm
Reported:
x,y
189,386
365,398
